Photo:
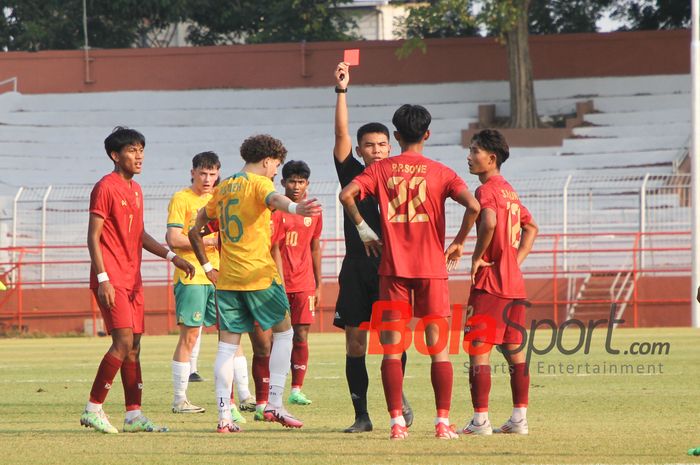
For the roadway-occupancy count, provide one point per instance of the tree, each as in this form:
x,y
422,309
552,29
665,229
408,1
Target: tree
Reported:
x,y
653,14
252,21
565,16
34,25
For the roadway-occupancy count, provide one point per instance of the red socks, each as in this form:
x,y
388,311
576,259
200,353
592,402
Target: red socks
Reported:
x,y
480,386
441,376
520,384
103,379
392,380
261,378
133,384
300,359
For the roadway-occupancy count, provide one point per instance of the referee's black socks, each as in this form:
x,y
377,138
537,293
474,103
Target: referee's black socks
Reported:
x,y
358,381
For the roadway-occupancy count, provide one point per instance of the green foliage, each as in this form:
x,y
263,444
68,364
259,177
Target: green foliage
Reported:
x,y
565,16
653,14
440,19
35,25
252,21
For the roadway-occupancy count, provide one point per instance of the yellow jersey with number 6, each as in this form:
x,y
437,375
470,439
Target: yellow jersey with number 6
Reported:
x,y
240,203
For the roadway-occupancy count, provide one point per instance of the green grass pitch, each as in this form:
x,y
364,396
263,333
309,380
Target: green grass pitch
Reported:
x,y
574,417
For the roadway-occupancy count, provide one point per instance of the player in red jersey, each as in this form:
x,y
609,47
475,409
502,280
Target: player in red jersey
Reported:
x,y
505,235
298,239
115,238
411,190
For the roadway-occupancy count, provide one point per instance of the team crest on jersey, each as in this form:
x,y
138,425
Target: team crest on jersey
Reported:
x,y
307,221
197,316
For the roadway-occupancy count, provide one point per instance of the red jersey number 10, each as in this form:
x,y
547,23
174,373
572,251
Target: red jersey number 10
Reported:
x,y
514,229
412,192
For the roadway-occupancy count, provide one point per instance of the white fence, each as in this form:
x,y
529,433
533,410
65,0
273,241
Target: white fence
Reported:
x,y
58,215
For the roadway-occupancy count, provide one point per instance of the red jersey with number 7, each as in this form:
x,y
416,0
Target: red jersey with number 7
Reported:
x,y
411,190
120,204
503,279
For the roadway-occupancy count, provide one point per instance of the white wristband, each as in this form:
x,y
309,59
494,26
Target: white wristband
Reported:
x,y
170,256
102,277
292,207
207,267
367,234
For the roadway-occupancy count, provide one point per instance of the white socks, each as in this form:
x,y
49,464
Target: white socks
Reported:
x,y
181,376
480,418
398,421
280,358
223,378
92,407
131,415
240,376
519,414
195,352
444,420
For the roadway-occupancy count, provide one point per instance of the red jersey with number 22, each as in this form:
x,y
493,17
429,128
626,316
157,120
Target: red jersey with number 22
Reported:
x,y
411,190
504,278
120,204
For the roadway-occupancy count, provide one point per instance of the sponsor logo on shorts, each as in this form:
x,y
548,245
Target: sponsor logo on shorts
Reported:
x,y
197,316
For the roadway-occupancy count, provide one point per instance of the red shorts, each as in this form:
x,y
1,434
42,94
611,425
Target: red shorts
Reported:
x,y
486,320
127,312
301,307
429,297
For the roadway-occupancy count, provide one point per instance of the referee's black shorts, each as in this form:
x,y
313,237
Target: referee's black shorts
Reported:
x,y
358,284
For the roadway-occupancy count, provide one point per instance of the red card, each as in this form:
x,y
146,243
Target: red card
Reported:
x,y
352,56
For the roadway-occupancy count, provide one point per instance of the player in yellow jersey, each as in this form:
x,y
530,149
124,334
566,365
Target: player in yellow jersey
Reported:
x,y
248,284
194,299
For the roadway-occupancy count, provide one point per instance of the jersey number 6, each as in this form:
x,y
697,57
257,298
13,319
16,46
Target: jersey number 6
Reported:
x,y
229,220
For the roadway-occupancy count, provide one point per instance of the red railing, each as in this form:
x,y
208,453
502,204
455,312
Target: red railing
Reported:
x,y
11,273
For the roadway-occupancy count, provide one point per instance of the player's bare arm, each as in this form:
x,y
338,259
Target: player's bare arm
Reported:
x,y
277,257
471,212
343,142
105,291
309,207
176,240
316,263
527,240
197,244
484,235
373,246
155,247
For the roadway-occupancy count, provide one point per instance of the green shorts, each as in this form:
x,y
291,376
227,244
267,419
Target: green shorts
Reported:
x,y
238,310
195,304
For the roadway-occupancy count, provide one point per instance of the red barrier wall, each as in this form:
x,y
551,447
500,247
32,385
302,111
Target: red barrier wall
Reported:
x,y
64,310
295,65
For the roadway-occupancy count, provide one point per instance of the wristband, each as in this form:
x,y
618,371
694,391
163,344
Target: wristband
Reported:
x,y
207,267
338,90
102,277
292,207
170,256
367,234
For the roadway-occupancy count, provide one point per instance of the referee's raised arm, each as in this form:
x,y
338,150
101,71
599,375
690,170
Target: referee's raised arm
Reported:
x,y
343,142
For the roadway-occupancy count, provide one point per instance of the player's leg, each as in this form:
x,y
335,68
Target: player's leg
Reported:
x,y
484,329
513,351
357,377
181,369
237,375
302,315
432,306
135,421
261,341
234,319
242,381
270,309
119,324
195,377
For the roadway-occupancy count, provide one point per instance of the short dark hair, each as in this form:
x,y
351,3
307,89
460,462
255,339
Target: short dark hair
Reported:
x,y
257,148
411,122
372,128
206,160
296,168
492,141
122,136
